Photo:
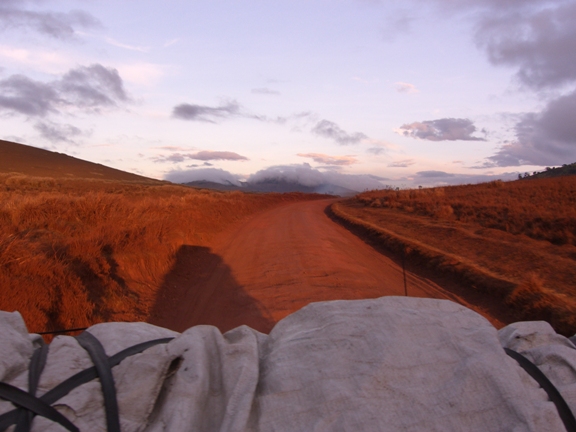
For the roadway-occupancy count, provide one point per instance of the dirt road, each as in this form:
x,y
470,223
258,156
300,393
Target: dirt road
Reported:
x,y
274,264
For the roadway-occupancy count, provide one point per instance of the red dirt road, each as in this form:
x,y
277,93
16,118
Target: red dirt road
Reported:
x,y
274,264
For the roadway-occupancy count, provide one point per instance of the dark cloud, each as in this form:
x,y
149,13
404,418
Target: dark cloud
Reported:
x,y
216,175
545,138
446,129
331,130
226,110
305,175
58,133
205,113
19,93
537,38
205,164
433,174
330,160
201,155
56,25
93,86
265,91
87,87
175,158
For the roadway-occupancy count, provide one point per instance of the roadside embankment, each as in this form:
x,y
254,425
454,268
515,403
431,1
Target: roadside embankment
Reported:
x,y
508,268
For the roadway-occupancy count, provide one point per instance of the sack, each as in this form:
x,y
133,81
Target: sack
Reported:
x,y
392,363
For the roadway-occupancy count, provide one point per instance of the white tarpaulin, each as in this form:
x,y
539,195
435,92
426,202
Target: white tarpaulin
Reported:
x,y
388,364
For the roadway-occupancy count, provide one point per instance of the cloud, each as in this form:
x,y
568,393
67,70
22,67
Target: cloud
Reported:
x,y
402,163
305,175
402,87
446,129
331,130
217,155
545,138
175,158
53,24
208,164
376,150
226,110
215,175
19,93
87,87
330,160
58,133
538,39
433,174
201,155
205,113
265,91
93,86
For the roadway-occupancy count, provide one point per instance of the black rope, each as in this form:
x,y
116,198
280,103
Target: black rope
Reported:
x,y
100,360
9,418
404,271
34,371
563,409
62,331
32,403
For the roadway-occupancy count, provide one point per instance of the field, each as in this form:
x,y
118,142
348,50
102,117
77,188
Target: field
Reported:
x,y
75,252
515,241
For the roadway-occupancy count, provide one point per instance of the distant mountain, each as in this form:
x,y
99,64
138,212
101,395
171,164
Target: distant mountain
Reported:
x,y
275,185
204,184
37,162
564,170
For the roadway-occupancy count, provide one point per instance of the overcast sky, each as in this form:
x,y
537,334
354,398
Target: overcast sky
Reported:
x,y
363,93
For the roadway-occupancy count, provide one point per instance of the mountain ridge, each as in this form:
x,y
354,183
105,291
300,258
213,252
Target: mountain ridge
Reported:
x,y
33,161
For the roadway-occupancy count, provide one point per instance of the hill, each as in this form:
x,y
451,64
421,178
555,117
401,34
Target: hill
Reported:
x,y
37,162
82,243
513,241
564,170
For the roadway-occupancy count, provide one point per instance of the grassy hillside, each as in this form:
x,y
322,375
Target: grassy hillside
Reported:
x,y
32,161
78,252
515,241
564,170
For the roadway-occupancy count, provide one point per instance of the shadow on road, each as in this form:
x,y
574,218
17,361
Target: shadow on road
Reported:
x,y
200,289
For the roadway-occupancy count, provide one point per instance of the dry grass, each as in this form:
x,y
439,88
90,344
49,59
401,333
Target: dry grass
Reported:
x,y
514,241
77,252
544,209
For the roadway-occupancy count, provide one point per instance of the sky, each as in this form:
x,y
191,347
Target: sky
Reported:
x,y
360,93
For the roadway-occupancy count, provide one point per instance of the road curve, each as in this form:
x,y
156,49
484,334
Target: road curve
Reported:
x,y
274,264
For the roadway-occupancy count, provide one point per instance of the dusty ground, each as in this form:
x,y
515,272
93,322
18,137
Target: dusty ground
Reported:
x,y
277,262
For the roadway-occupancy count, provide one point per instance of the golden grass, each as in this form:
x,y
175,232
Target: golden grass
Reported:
x,y
77,252
513,241
544,209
